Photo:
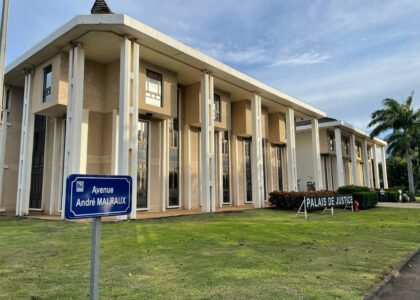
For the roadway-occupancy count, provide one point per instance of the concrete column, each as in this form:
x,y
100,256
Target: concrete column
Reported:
x,y
384,170
164,164
187,163
124,108
376,167
353,154
134,123
26,147
291,150
207,157
316,152
366,173
339,156
3,138
257,157
77,120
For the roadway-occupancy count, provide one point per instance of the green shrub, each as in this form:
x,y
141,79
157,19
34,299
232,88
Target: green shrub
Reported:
x,y
293,200
366,199
392,196
350,189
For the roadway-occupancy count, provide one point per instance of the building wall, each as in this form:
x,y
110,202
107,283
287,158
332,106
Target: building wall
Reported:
x,y
304,161
11,162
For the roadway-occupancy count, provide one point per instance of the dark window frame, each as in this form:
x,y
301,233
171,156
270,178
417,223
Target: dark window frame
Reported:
x,y
46,90
217,99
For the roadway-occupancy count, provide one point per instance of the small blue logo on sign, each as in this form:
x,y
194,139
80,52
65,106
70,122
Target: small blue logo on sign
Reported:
x,y
95,196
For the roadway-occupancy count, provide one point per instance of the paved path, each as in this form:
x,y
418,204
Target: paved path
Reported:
x,y
406,286
415,205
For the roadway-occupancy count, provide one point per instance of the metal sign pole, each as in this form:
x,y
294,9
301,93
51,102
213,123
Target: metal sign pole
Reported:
x,y
95,259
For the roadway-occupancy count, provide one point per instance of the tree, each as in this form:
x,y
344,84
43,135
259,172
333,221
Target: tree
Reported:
x,y
404,124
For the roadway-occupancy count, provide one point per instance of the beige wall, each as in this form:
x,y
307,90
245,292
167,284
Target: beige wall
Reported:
x,y
277,124
59,88
241,118
11,161
169,79
192,112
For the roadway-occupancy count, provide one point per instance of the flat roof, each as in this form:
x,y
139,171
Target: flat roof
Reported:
x,y
332,123
152,38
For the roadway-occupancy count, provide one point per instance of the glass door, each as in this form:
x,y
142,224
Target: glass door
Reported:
x,y
248,172
142,165
35,196
225,166
173,163
279,151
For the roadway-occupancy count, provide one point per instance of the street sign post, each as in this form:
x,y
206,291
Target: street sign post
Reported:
x,y
97,196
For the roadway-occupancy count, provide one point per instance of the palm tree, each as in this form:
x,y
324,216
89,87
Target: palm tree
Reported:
x,y
404,140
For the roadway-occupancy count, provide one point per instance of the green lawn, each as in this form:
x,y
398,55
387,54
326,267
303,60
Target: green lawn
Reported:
x,y
254,254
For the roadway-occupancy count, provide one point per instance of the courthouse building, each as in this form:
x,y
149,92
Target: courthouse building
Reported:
x,y
347,155
107,94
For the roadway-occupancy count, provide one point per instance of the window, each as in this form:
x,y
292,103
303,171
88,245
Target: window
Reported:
x,y
153,88
331,142
225,164
347,147
173,163
359,150
279,156
217,108
7,100
248,172
46,93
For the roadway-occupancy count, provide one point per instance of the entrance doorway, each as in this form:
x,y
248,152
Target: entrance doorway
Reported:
x,y
37,172
248,171
143,165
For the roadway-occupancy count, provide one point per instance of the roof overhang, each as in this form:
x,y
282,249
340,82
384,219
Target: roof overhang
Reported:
x,y
123,25
346,126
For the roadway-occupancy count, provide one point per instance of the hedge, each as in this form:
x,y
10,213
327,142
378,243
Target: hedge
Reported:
x,y
366,199
390,196
293,200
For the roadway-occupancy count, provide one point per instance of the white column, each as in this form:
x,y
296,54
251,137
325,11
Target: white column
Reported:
x,y
124,108
291,150
164,164
353,154
3,138
207,156
256,154
316,152
187,168
134,123
219,136
76,127
366,173
339,156
26,147
384,170
376,167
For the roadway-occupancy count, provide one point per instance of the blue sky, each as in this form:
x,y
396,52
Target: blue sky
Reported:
x,y
342,56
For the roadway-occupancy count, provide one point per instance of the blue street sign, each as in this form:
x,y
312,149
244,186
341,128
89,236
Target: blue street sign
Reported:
x,y
96,196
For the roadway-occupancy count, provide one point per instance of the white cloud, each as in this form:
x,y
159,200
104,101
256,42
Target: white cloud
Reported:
x,y
308,58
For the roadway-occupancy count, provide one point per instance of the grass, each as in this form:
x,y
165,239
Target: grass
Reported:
x,y
261,254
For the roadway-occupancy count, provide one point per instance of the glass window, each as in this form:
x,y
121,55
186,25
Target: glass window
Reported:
x,y
142,165
225,163
217,108
331,142
248,172
173,162
347,147
46,94
279,150
153,88
359,150
7,100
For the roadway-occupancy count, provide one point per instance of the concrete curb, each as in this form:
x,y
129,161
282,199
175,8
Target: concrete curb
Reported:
x,y
395,272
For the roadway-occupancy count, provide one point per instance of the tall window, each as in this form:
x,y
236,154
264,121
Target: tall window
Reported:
x,y
217,108
279,156
153,88
359,150
173,162
46,93
347,147
142,165
248,172
225,163
331,142
264,169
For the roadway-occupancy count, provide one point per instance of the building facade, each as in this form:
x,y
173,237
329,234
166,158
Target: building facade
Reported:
x,y
347,156
106,94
